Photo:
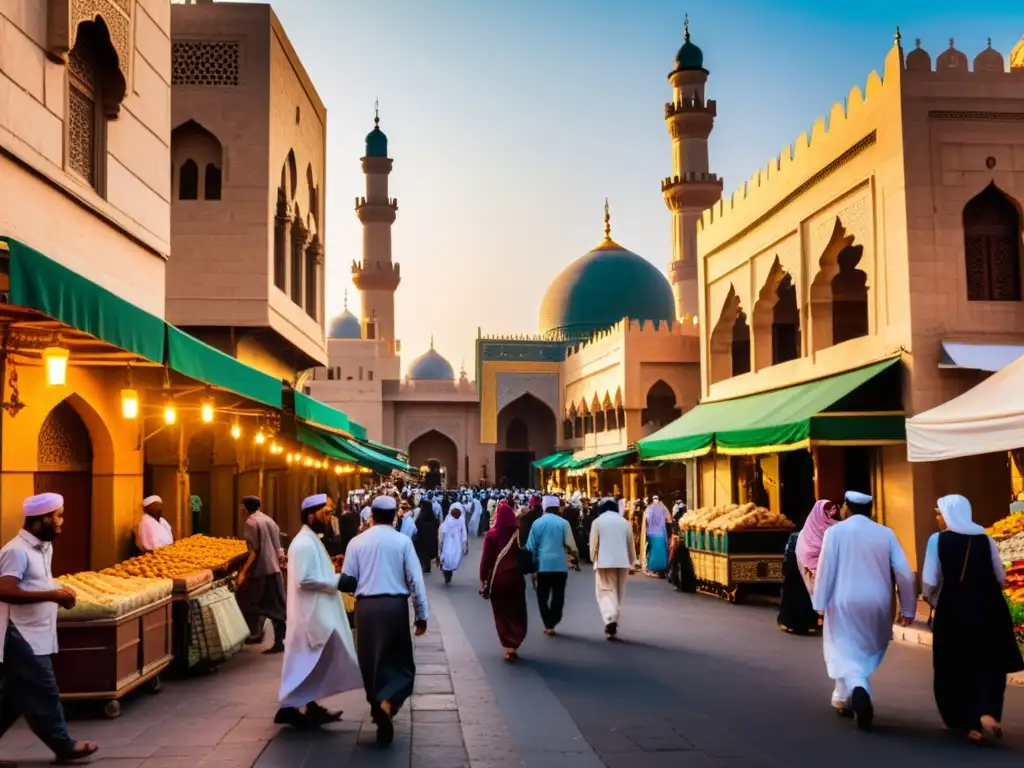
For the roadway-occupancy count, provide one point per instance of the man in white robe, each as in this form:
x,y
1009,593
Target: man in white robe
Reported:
x,y
453,541
853,586
613,553
319,653
153,531
475,515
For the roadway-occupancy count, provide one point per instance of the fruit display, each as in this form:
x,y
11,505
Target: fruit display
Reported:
x,y
735,517
1007,527
182,558
1015,585
102,596
1012,549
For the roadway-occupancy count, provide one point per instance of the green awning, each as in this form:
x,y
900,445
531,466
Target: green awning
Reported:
x,y
576,464
368,457
343,449
616,460
188,355
40,283
554,460
358,431
387,450
311,410
781,420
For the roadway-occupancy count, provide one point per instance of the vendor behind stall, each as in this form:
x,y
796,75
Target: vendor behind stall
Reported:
x,y
260,589
153,530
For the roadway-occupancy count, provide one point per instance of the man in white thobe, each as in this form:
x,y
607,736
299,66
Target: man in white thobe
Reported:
x,y
853,586
453,541
154,531
475,515
614,556
319,653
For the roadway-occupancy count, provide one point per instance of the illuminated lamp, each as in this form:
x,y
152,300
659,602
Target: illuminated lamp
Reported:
x,y
55,360
170,414
129,403
236,431
260,438
206,410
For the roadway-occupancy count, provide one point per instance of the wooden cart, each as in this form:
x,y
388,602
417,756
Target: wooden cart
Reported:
x,y
734,564
105,659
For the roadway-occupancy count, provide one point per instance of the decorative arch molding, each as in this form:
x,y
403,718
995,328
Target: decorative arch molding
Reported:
x,y
450,428
512,386
730,340
101,442
855,219
64,16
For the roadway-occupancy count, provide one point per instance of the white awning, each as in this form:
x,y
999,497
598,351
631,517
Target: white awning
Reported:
x,y
988,418
979,357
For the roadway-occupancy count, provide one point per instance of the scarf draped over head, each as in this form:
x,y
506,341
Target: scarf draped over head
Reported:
x,y
505,523
956,511
808,544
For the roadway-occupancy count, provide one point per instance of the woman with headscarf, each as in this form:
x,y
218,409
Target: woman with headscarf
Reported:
x,y
528,518
796,614
654,538
503,582
973,646
425,540
453,541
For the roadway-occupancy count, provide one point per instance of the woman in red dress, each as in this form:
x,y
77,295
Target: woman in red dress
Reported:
x,y
503,582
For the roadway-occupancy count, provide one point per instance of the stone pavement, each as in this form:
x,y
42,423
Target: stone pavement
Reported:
x,y
226,719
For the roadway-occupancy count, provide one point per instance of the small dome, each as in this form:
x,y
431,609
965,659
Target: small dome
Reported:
x,y
689,56
951,59
989,60
431,366
345,326
1017,55
376,141
601,288
918,59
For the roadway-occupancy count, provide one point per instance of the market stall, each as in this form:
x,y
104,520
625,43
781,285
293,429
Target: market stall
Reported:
x,y
1009,536
736,549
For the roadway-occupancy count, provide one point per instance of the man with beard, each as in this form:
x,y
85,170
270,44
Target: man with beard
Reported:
x,y
154,531
28,624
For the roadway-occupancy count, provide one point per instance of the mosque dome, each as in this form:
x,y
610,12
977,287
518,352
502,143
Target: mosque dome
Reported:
x,y
431,366
602,287
345,326
376,140
689,56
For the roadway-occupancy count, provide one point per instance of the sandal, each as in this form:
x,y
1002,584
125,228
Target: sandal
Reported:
x,y
991,726
82,750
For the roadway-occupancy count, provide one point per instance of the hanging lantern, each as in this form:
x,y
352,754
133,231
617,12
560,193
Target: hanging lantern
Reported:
x,y
275,448
170,413
260,438
236,431
55,360
129,403
338,469
307,462
207,410
290,458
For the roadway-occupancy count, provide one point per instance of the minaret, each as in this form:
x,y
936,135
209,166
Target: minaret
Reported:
x,y
376,276
691,188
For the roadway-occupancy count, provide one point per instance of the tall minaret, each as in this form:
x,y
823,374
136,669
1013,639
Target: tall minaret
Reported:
x,y
377,277
692,187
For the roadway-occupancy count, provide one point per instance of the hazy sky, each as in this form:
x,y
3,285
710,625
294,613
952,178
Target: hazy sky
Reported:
x,y
510,121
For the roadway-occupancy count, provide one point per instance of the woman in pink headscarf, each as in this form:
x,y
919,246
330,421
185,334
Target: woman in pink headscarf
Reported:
x,y
796,614
502,582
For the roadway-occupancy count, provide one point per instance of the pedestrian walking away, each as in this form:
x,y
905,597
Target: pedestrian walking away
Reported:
x,y
502,581
426,541
453,541
549,541
28,624
853,587
614,556
974,647
799,566
259,588
319,654
382,569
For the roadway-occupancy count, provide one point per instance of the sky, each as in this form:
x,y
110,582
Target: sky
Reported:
x,y
510,121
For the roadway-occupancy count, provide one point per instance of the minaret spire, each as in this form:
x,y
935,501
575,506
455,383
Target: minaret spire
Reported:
x,y
607,221
686,27
376,113
346,299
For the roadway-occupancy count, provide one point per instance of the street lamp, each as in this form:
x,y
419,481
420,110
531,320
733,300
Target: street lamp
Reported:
x,y
55,359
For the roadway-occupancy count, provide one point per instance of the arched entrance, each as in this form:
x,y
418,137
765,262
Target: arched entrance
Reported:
x,y
64,455
200,481
661,407
526,431
439,454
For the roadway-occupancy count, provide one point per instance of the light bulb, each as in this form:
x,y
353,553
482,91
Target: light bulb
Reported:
x,y
275,448
206,410
308,462
338,469
55,359
260,438
170,414
129,403
290,458
236,431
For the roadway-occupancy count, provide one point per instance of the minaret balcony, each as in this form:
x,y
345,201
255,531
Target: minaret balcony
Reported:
x,y
376,275
691,190
691,106
377,211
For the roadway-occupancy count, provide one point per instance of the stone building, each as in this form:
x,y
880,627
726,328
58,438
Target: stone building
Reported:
x,y
891,233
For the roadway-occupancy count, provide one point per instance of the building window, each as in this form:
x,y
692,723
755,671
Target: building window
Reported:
x,y
369,375
992,245
785,323
337,372
849,297
188,181
211,182
281,243
371,330
305,390
330,374
312,284
599,425
205,63
84,118
609,419
740,346
298,246
360,373
567,429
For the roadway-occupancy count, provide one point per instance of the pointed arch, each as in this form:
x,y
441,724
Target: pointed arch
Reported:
x,y
198,155
730,340
992,246
661,405
776,327
839,308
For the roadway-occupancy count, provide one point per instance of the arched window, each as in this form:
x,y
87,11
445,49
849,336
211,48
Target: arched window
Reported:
x,y
785,323
312,274
577,427
661,405
849,297
281,237
599,425
211,182
620,417
188,181
567,429
588,424
610,421
740,346
298,244
992,246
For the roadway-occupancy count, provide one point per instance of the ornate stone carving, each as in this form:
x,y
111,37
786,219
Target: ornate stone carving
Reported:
x,y
63,18
856,220
209,63
64,443
543,386
82,135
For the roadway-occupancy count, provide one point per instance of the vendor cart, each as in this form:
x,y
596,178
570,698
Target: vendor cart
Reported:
x,y
105,659
734,564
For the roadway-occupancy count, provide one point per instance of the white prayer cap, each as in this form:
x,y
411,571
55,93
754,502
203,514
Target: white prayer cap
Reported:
x,y
316,500
150,500
42,504
607,500
384,503
855,497
551,501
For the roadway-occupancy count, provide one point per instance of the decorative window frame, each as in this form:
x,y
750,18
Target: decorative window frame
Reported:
x,y
63,18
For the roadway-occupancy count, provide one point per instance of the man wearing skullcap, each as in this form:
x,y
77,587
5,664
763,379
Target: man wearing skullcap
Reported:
x,y
153,531
549,541
29,598
614,556
319,653
853,587
382,569
260,589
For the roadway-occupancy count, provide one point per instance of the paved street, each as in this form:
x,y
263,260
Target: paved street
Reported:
x,y
695,682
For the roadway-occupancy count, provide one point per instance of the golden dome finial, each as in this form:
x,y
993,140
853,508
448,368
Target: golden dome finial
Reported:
x,y
607,221
376,112
431,341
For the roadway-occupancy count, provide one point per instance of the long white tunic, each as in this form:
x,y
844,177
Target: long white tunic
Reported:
x,y
453,542
853,586
319,654
474,519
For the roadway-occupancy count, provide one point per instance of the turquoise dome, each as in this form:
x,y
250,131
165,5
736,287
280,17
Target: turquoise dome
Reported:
x,y
431,366
601,288
345,326
376,143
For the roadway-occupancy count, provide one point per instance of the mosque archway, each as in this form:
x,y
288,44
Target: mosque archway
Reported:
x,y
661,408
527,430
439,454
65,463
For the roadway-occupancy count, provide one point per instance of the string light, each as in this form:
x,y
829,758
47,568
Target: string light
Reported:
x,y
290,458
260,438
307,462
55,360
338,469
236,431
129,403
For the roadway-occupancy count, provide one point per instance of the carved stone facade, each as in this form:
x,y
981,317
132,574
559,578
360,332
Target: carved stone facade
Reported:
x,y
543,386
205,62
64,443
64,16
